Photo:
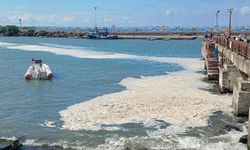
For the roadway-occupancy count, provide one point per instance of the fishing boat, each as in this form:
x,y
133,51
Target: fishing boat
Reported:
x,y
101,34
38,71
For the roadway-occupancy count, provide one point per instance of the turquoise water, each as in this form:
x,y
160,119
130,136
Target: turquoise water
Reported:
x,y
26,106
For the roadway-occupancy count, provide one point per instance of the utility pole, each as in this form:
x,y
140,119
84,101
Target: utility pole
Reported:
x,y
217,16
20,22
230,21
95,18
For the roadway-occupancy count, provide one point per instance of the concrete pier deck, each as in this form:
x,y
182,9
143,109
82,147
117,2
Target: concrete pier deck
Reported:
x,y
231,67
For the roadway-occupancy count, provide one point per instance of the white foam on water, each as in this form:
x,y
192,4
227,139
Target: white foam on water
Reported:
x,y
48,124
64,46
174,94
166,141
174,98
9,138
170,140
85,53
80,53
4,44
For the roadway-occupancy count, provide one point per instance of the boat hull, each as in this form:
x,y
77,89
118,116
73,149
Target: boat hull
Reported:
x,y
38,72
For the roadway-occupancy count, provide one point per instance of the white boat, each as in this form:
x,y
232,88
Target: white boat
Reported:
x,y
38,71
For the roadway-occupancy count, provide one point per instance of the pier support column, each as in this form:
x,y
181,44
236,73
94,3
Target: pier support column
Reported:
x,y
241,97
248,132
212,69
228,75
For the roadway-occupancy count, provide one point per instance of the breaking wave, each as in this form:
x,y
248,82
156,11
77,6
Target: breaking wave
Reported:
x,y
48,124
160,139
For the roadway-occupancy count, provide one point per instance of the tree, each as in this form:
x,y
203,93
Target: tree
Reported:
x,y
42,33
31,32
2,30
11,30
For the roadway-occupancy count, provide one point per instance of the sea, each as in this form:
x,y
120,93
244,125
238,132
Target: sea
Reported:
x,y
114,95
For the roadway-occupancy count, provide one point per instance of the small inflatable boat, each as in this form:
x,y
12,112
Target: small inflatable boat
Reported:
x,y
38,71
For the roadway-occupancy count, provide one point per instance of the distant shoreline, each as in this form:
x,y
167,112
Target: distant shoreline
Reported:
x,y
121,35
137,36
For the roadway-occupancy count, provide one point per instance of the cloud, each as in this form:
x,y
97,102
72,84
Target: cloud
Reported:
x,y
66,19
15,16
244,10
168,13
36,19
20,6
127,20
109,20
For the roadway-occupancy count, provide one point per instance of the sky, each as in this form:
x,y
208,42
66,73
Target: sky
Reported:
x,y
123,13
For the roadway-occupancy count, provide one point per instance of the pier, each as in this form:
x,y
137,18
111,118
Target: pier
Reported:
x,y
227,60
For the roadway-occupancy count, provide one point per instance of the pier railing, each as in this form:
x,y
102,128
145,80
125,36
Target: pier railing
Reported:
x,y
241,48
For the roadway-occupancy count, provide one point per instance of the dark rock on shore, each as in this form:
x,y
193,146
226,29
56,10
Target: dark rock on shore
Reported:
x,y
242,119
243,139
230,127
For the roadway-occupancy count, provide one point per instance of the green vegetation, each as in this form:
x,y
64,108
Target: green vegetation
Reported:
x,y
2,30
9,30
31,32
42,33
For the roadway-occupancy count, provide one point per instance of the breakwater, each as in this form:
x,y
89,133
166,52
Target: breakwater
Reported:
x,y
157,35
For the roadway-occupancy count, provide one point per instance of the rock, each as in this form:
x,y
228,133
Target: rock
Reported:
x,y
135,147
230,127
243,139
242,119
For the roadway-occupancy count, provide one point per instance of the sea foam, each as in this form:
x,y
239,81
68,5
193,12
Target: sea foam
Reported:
x,y
170,141
48,124
175,98
81,52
